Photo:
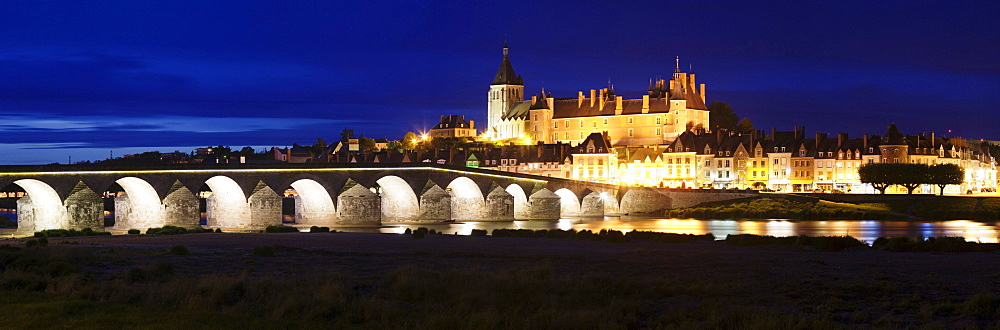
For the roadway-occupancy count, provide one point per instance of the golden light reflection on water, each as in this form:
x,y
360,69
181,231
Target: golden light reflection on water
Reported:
x,y
864,230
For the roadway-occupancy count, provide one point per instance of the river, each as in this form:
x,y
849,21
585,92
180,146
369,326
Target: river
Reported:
x,y
864,230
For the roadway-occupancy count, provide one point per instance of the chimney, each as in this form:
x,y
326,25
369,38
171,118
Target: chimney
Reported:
x,y
442,118
593,96
703,93
645,104
472,123
672,82
533,99
920,139
819,138
841,138
774,133
718,137
579,101
933,141
692,84
618,104
600,103
864,141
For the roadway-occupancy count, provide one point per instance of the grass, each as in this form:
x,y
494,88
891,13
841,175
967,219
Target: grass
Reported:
x,y
76,286
946,208
782,208
821,243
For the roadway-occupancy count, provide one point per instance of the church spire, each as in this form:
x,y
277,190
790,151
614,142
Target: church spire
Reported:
x,y
505,74
677,64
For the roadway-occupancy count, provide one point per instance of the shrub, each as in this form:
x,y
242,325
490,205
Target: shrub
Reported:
x,y
407,232
263,251
218,230
932,244
823,243
133,232
420,233
315,229
179,250
281,229
69,233
166,230
478,232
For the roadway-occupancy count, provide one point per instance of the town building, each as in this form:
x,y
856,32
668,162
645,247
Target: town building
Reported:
x,y
452,126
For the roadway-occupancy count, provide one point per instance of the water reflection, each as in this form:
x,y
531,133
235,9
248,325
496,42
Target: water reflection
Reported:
x,y
864,230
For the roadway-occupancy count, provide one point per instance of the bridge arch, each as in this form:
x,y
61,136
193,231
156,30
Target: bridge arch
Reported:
x,y
569,203
40,208
399,202
139,207
467,201
313,205
522,210
227,206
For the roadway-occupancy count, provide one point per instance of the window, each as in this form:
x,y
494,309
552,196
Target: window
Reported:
x,y
657,120
566,136
657,132
565,123
775,161
630,121
605,121
630,133
555,124
581,122
581,135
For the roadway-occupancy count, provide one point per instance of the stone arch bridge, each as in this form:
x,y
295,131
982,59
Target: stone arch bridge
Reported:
x,y
249,196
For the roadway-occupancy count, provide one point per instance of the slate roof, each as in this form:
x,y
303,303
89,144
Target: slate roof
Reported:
x,y
505,74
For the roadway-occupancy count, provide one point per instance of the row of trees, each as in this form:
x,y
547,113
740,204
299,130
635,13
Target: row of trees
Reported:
x,y
910,176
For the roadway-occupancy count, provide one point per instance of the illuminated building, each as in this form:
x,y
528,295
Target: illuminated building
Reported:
x,y
668,109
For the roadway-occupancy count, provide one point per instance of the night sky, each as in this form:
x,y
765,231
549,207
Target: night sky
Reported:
x,y
85,79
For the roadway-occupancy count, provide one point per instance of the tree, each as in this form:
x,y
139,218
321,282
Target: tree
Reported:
x,y
409,141
366,144
346,135
883,175
745,126
317,148
721,115
946,174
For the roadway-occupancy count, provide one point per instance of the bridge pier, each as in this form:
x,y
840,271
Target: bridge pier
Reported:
x,y
435,204
359,206
592,205
180,208
84,209
499,205
545,205
264,206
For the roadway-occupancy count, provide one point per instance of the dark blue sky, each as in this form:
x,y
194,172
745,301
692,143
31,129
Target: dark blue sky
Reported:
x,y
83,78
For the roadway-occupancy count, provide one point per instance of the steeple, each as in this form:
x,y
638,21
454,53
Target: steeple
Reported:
x,y
505,75
677,64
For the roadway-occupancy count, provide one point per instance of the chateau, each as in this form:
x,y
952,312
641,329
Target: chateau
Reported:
x,y
668,109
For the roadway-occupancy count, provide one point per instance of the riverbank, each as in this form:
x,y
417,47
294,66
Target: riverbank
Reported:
x,y
871,208
384,280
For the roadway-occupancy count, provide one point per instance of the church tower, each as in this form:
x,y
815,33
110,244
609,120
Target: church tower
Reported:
x,y
507,88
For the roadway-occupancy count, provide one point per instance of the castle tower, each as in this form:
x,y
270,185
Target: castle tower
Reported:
x,y
507,88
